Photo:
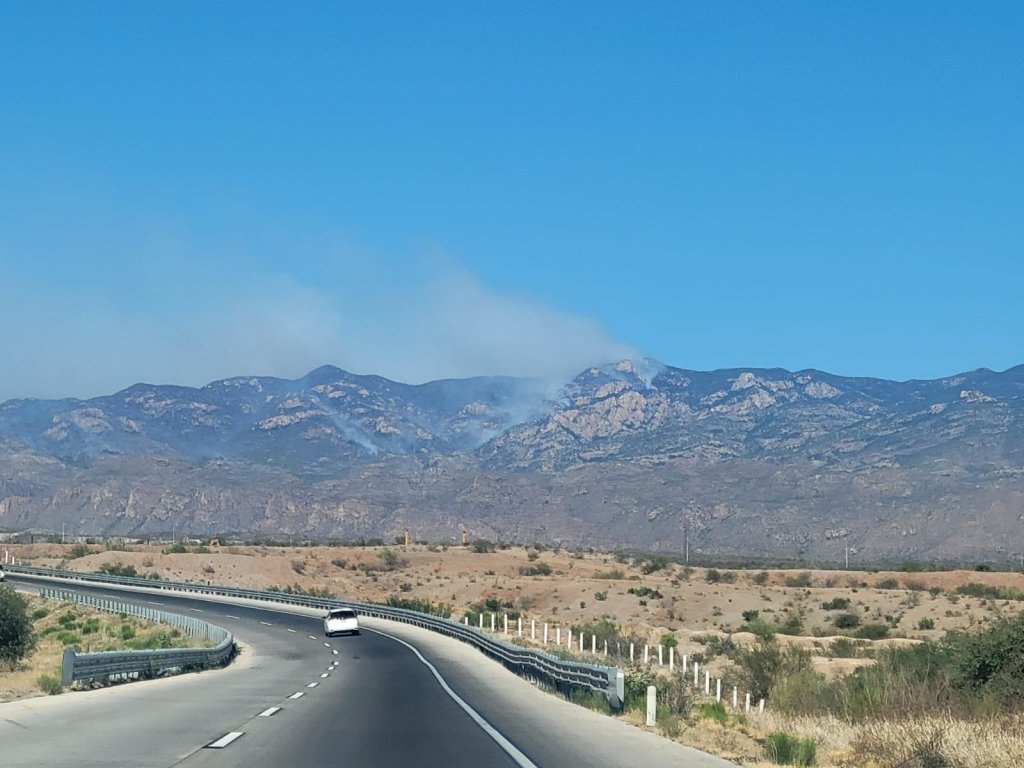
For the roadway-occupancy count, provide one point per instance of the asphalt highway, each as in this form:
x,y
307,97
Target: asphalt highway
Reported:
x,y
392,696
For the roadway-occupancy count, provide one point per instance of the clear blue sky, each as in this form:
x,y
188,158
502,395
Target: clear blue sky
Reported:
x,y
191,190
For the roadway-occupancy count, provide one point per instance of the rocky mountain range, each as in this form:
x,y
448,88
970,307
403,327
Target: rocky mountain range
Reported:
x,y
744,462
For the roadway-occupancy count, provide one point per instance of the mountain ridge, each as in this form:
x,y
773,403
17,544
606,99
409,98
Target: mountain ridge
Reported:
x,y
749,460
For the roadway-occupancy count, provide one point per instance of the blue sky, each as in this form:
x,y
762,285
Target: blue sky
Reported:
x,y
196,190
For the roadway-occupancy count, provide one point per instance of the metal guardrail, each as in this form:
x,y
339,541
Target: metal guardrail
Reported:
x,y
123,665
526,662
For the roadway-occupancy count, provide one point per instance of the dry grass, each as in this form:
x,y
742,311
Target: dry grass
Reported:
x,y
946,742
84,629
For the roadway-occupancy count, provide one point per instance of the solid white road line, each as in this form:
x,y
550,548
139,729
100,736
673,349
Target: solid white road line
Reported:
x,y
224,740
297,695
510,749
269,712
312,685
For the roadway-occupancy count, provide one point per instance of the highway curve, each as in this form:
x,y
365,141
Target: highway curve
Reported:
x,y
299,698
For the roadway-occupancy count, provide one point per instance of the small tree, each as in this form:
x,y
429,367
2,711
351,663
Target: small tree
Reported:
x,y
16,639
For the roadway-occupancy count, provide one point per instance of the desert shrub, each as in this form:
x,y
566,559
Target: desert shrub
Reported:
x,y
614,573
712,575
298,566
791,624
50,684
836,604
390,560
729,577
786,749
636,679
119,569
482,546
423,606
644,592
926,623
750,616
16,637
655,563
668,640
600,596
537,569
843,648
177,548
846,620
990,661
888,584
714,710
802,579
872,632
760,578
40,613
762,666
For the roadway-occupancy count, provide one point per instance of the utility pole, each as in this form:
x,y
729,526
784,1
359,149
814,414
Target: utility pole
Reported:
x,y
62,533
847,557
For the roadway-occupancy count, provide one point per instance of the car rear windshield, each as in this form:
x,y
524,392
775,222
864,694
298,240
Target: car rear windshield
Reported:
x,y
343,614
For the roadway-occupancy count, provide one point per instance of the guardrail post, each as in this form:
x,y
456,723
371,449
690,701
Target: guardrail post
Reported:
x,y
492,621
661,655
606,647
545,633
620,687
558,635
652,705
684,663
67,668
465,620
481,620
506,624
671,659
568,639
593,643
760,707
533,629
519,626
707,683
718,690
696,671
647,649
735,700
746,706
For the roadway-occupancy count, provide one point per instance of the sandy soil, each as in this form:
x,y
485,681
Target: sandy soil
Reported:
x,y
582,587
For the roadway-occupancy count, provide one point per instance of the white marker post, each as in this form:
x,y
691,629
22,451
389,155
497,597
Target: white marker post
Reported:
x,y
718,690
652,705
631,649
707,683
671,659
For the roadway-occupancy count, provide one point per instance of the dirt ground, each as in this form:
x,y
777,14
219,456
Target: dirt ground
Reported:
x,y
581,588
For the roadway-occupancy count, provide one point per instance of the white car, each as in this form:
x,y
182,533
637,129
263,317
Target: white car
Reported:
x,y
341,621
1,573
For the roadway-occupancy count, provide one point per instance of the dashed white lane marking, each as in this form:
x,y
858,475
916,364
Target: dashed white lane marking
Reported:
x,y
334,652
266,623
229,616
325,674
291,630
200,610
297,695
152,602
312,685
269,712
327,645
311,637
224,740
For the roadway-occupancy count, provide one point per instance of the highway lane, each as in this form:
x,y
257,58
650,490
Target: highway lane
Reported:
x,y
380,705
377,703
